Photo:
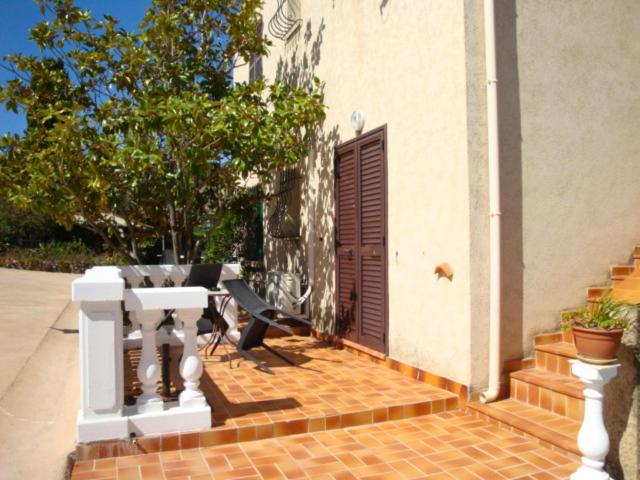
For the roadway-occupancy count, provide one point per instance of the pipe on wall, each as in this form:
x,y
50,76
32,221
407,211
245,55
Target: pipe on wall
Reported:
x,y
495,300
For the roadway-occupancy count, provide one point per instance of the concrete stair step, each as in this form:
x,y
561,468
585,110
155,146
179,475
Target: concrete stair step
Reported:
x,y
560,394
548,427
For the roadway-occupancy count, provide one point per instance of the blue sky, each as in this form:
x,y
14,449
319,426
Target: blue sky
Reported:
x,y
20,15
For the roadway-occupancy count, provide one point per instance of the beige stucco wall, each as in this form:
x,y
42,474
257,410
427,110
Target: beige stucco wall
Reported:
x,y
403,64
569,103
569,86
570,106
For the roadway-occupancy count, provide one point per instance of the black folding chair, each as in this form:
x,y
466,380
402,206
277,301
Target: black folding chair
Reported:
x,y
204,275
263,315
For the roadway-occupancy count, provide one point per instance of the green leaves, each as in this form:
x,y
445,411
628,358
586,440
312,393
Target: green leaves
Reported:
x,y
607,313
142,134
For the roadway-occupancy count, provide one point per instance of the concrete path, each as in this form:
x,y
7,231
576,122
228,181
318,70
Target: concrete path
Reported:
x,y
39,377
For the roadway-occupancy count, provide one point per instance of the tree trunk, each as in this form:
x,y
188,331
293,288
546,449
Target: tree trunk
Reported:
x,y
174,234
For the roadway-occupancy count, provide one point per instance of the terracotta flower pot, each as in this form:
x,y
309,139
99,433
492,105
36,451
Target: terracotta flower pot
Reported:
x,y
596,345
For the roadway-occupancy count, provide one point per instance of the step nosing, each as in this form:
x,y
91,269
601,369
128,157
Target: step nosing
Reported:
x,y
558,348
553,437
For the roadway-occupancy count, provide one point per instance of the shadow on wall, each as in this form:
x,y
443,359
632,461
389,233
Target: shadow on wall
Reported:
x,y
311,254
509,115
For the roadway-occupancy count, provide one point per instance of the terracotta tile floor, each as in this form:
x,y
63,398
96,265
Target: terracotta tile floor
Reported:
x,y
325,382
451,445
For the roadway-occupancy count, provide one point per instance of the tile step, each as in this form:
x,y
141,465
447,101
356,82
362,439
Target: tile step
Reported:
x,y
556,382
450,446
563,349
546,426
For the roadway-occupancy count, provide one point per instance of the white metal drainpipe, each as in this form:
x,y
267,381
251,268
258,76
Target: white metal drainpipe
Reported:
x,y
494,204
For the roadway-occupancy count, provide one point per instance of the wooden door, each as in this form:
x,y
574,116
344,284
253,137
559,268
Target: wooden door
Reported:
x,y
361,270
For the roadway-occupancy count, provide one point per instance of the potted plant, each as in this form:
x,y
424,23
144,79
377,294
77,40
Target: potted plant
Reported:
x,y
597,329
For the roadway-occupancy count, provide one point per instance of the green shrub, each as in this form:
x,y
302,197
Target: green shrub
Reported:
x,y
25,228
55,256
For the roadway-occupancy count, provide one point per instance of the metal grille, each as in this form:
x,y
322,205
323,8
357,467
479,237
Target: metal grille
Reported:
x,y
255,62
286,18
284,205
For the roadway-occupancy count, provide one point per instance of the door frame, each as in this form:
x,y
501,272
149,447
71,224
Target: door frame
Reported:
x,y
385,263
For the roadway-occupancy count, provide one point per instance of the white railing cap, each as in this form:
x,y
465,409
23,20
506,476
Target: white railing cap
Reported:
x,y
165,298
149,270
99,284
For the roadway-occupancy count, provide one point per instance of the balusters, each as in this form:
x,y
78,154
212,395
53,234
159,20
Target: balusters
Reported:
x,y
149,368
190,365
157,278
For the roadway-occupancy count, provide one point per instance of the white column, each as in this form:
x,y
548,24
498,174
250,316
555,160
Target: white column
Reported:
x,y
149,370
100,292
191,364
593,440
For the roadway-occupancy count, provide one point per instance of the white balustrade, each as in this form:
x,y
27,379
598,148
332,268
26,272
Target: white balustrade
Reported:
x,y
101,292
593,440
159,275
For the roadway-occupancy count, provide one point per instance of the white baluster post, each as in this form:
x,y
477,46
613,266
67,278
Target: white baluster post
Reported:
x,y
149,370
157,278
593,440
191,364
178,277
100,292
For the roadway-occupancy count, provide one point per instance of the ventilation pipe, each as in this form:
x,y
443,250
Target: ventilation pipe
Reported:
x,y
495,366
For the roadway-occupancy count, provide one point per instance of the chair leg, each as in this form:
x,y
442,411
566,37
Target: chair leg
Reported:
x,y
215,344
250,356
278,354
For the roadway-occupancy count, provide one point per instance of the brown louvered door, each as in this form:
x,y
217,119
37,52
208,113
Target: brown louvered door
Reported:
x,y
361,230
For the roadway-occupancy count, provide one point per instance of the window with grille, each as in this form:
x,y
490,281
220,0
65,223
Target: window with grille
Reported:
x,y
255,62
283,214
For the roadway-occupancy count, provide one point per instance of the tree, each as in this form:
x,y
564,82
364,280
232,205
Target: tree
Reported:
x,y
143,134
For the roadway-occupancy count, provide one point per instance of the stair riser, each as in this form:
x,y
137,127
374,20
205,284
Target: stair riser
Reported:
x,y
528,435
567,336
617,281
542,397
594,293
553,363
621,270
547,338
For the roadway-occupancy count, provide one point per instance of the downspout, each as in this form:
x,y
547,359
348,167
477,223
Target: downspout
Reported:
x,y
494,204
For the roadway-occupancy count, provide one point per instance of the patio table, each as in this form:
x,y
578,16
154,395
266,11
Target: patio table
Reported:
x,y
220,327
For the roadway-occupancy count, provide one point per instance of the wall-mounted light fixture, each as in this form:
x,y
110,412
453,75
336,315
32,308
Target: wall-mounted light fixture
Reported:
x,y
357,121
